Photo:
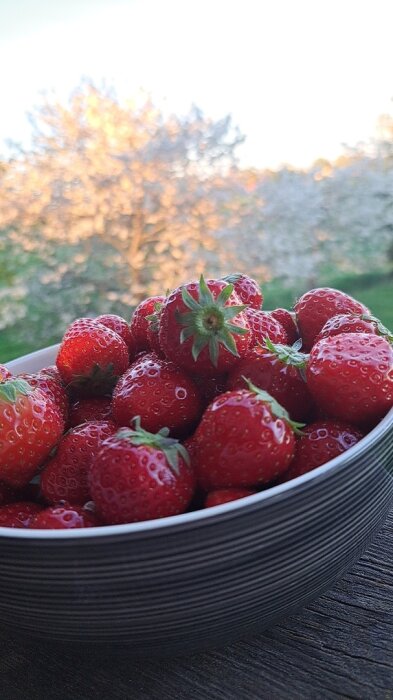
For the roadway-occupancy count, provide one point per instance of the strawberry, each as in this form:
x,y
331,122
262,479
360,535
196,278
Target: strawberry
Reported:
x,y
84,410
320,442
52,388
279,370
53,372
4,373
31,426
245,438
139,475
160,393
247,289
220,496
63,517
287,320
351,377
120,326
65,475
18,514
91,357
203,328
153,328
315,307
354,323
140,321
263,325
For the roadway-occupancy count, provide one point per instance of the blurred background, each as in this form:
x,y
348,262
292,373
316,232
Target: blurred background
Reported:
x,y
144,142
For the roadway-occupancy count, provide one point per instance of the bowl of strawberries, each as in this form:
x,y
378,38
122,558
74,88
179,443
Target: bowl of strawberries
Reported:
x,y
193,474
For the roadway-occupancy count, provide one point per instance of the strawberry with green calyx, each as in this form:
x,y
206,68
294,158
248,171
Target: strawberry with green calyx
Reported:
x,y
91,358
203,327
161,393
316,306
262,324
52,388
320,442
64,477
354,323
350,376
245,438
288,322
154,327
247,289
30,426
120,326
280,370
139,475
139,323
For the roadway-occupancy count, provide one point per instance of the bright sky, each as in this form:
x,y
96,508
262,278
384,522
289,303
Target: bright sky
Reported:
x,y
300,77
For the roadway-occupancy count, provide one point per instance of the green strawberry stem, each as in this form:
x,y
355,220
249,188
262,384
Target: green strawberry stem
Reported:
x,y
289,354
275,407
171,447
12,388
209,321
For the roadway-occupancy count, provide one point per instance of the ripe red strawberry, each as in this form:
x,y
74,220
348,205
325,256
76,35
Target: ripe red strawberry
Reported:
x,y
320,442
140,321
279,370
263,325
63,517
84,410
154,328
247,289
64,477
315,307
351,323
53,372
120,326
203,328
351,377
160,393
140,476
52,388
220,496
245,438
18,514
4,373
91,357
31,425
287,320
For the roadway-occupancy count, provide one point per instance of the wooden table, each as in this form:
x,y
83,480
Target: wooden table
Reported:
x,y
340,646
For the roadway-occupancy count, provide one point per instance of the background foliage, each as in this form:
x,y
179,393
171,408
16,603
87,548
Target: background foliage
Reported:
x,y
115,201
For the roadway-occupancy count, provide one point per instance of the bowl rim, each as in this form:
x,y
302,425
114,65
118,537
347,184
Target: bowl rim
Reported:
x,y
271,494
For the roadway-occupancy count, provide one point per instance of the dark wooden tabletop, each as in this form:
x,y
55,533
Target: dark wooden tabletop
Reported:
x,y
340,646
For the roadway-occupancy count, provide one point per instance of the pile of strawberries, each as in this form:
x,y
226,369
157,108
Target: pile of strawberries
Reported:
x,y
202,399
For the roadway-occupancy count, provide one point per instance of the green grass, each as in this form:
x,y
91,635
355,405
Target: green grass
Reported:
x,y
373,289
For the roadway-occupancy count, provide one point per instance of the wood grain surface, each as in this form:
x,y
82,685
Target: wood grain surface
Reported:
x,y
341,646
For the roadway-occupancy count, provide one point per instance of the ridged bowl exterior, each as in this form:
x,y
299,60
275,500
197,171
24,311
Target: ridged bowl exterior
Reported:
x,y
202,578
